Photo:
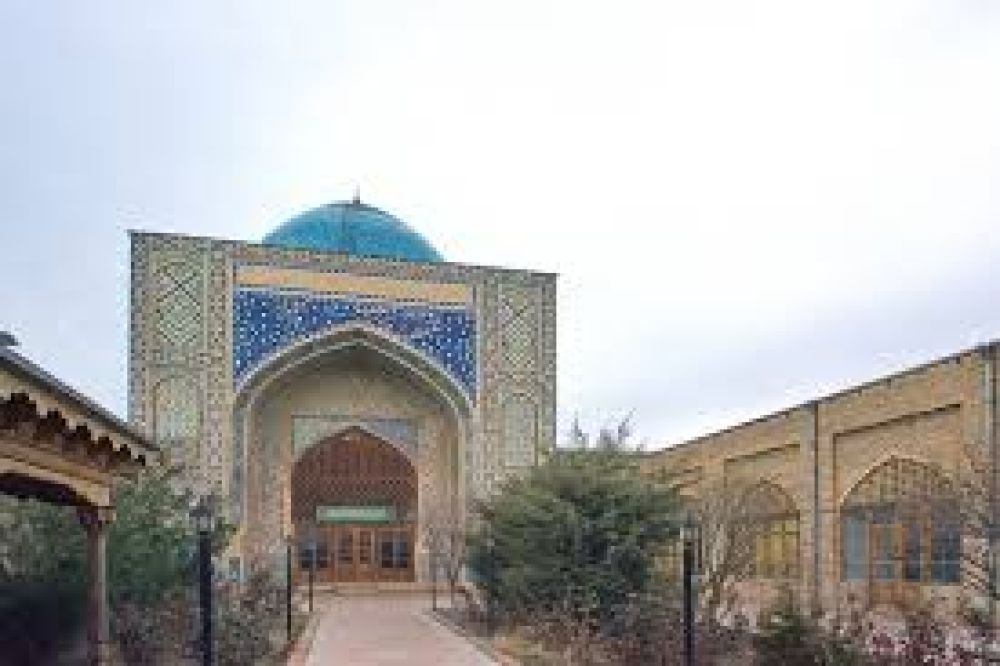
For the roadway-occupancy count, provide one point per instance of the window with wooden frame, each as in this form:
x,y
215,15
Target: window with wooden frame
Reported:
x,y
901,523
774,532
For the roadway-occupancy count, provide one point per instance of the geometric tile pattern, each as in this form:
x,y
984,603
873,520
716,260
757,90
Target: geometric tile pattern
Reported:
x,y
517,378
178,288
265,322
519,423
174,345
519,318
519,314
178,418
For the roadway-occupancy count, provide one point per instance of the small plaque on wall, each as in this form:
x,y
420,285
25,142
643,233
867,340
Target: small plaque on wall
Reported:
x,y
355,514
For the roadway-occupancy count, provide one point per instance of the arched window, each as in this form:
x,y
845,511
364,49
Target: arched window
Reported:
x,y
755,529
774,532
901,523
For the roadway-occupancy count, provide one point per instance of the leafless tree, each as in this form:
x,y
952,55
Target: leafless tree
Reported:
x,y
726,526
978,511
609,438
455,555
445,538
433,537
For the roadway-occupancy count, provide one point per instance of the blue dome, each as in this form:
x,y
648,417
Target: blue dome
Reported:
x,y
353,228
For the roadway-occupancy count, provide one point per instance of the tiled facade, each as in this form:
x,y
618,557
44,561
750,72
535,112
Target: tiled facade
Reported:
x,y
938,418
214,322
265,321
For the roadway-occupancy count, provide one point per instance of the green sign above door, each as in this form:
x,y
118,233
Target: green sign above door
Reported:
x,y
355,514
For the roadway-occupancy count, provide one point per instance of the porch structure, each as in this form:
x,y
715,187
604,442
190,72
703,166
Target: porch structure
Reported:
x,y
60,447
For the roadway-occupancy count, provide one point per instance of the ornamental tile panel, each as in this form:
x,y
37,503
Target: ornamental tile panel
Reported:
x,y
309,430
520,439
178,418
265,322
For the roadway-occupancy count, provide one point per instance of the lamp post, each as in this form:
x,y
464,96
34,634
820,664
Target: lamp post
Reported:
x,y
312,565
434,573
288,590
687,537
490,582
204,520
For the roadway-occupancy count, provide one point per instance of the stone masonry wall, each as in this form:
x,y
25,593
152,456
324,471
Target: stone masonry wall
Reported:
x,y
935,414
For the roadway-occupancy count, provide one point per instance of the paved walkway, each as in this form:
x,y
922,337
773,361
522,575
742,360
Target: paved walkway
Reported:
x,y
385,630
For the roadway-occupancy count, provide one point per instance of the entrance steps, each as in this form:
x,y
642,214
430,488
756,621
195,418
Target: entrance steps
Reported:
x,y
375,587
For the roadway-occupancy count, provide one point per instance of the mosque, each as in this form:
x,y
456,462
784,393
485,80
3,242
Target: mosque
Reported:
x,y
339,383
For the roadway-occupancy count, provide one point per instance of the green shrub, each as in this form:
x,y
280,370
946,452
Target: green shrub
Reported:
x,y
151,547
579,532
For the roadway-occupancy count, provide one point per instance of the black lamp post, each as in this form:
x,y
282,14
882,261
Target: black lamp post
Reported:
x,y
687,537
434,572
204,522
491,582
312,565
288,589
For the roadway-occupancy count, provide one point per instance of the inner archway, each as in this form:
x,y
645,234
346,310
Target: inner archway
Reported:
x,y
350,383
354,508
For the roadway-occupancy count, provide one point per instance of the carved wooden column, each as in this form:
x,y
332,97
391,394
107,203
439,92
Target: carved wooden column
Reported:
x,y
96,520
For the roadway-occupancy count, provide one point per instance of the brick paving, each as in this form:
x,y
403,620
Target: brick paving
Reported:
x,y
385,630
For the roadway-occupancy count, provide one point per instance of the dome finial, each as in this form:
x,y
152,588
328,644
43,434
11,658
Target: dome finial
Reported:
x,y
356,200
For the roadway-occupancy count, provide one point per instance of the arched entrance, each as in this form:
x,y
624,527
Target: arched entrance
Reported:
x,y
354,508
351,381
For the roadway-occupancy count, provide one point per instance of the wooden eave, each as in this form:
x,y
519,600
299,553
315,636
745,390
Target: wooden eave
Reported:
x,y
53,438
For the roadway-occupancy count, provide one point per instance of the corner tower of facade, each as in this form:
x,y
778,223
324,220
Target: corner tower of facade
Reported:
x,y
339,379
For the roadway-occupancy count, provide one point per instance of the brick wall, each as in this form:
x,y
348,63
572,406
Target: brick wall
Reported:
x,y
934,414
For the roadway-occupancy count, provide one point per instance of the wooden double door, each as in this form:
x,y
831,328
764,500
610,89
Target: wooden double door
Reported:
x,y
356,553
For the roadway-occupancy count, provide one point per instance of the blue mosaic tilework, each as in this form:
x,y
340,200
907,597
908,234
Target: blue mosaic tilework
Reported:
x,y
267,321
354,228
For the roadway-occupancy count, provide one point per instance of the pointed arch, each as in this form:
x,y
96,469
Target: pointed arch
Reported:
x,y
355,468
405,448
775,531
900,528
267,497
899,480
766,498
355,335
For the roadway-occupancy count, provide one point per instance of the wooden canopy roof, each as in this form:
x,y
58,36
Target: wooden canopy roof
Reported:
x,y
57,445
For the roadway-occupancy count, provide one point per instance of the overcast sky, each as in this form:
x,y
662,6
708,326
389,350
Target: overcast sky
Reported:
x,y
748,203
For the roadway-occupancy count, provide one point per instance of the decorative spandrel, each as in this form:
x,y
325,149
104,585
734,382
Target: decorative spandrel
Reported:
x,y
265,322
